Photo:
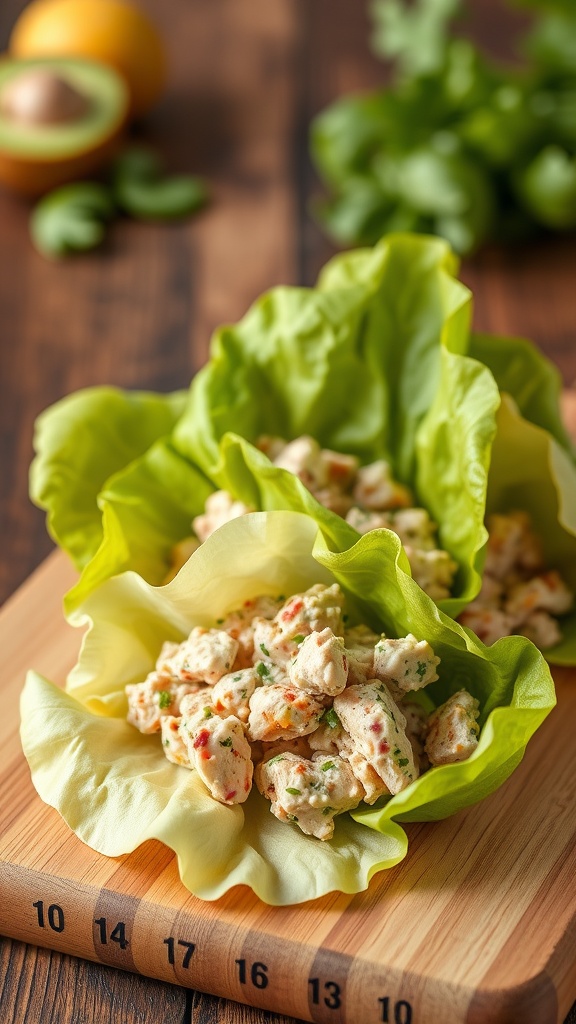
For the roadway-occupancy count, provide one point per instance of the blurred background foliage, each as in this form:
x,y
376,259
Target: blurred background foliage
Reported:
x,y
455,143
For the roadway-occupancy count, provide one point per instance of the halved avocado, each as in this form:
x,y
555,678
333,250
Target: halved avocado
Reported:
x,y
60,120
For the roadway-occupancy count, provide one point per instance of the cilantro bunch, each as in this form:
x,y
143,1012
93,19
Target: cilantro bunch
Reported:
x,y
457,144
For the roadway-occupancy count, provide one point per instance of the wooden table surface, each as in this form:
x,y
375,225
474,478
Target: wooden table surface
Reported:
x,y
246,76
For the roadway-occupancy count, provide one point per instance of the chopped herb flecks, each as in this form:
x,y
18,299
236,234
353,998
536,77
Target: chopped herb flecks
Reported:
x,y
292,791
274,760
327,766
164,699
227,742
331,718
262,669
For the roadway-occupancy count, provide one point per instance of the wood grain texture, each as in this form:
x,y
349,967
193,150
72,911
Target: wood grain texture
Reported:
x,y
247,75
38,984
477,924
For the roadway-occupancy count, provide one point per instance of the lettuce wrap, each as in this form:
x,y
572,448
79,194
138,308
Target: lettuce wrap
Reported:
x,y
80,442
377,361
115,789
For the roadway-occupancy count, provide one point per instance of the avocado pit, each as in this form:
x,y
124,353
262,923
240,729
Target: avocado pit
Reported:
x,y
40,96
60,120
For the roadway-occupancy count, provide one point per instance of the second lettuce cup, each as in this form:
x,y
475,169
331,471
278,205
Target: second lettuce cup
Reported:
x,y
366,403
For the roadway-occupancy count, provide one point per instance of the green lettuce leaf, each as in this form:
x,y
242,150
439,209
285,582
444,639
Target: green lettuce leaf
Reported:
x,y
529,377
369,363
114,787
80,442
146,509
377,360
355,362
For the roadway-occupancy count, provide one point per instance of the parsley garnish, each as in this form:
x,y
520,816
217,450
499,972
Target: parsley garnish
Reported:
x,y
298,638
402,762
327,810
264,650
227,742
274,760
262,669
421,670
164,699
207,712
292,791
327,766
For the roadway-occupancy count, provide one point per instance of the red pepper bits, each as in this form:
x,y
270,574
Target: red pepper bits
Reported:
x,y
201,739
292,610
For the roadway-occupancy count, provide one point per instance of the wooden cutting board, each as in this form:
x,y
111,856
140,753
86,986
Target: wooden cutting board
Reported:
x,y
477,925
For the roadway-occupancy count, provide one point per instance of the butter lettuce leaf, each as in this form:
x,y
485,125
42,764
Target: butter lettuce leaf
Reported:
x,y
528,377
354,362
80,442
145,510
377,360
115,789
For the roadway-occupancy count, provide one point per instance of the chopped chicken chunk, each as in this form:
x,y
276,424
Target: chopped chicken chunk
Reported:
x,y
359,643
173,745
405,664
375,488
377,728
205,656
303,458
414,527
280,712
365,522
309,793
452,732
221,754
433,571
321,665
150,701
546,592
220,508
542,630
232,693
